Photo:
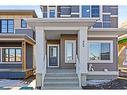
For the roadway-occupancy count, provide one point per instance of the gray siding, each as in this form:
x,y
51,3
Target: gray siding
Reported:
x,y
28,32
29,56
110,66
11,65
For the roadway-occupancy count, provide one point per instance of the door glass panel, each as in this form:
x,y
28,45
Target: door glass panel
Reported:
x,y
53,52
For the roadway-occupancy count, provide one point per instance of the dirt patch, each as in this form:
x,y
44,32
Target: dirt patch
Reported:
x,y
119,83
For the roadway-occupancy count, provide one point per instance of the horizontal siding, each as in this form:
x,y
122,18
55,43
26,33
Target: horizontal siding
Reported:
x,y
12,75
10,66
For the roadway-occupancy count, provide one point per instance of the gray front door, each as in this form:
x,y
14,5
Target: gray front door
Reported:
x,y
53,56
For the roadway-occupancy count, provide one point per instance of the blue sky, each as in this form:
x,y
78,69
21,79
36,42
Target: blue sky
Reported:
x,y
122,10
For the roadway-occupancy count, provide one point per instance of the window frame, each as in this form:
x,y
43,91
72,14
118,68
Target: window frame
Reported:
x,y
111,51
73,53
22,23
6,26
15,48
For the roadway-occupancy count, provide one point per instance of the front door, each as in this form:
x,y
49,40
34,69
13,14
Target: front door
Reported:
x,y
53,55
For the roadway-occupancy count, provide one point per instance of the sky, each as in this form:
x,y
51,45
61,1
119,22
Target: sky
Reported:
x,y
122,15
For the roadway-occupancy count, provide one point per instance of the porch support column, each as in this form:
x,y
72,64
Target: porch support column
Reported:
x,y
40,52
23,55
82,53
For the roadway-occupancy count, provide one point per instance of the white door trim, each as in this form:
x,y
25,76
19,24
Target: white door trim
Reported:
x,y
48,53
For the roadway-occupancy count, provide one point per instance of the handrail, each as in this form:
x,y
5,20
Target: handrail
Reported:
x,y
78,70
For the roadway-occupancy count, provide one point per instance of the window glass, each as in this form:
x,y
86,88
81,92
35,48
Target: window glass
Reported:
x,y
5,55
23,23
65,10
85,11
95,12
52,13
94,51
69,50
105,51
10,26
11,55
18,55
99,51
4,26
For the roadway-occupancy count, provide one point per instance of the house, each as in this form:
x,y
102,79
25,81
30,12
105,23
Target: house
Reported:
x,y
75,44
16,44
122,52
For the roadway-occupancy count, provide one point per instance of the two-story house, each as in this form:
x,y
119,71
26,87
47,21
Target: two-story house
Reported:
x,y
75,44
16,44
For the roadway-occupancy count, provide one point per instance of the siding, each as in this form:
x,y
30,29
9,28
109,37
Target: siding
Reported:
x,y
29,56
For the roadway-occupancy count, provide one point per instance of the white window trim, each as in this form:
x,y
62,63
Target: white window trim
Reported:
x,y
111,52
1,61
74,51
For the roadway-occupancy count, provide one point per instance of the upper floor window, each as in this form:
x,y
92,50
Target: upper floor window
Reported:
x,y
85,11
7,26
52,12
95,12
65,11
23,23
44,10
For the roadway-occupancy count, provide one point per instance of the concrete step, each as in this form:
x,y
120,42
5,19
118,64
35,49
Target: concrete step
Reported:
x,y
61,88
64,85
66,79
61,75
58,79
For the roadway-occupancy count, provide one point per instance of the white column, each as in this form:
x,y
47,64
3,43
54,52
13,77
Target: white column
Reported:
x,y
40,53
82,53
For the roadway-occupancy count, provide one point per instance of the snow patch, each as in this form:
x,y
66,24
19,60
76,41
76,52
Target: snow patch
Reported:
x,y
97,82
11,83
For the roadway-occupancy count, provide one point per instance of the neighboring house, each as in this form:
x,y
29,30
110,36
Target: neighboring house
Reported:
x,y
122,54
75,44
16,44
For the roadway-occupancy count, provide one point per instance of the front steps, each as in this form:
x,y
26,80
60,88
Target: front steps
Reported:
x,y
61,79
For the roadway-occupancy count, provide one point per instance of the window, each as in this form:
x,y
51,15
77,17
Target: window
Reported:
x,y
23,23
11,55
4,26
52,12
44,10
75,11
95,12
100,51
70,51
7,26
65,11
85,11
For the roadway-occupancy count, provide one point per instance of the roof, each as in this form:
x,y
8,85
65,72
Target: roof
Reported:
x,y
15,12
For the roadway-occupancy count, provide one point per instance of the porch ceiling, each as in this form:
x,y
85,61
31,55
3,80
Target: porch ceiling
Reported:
x,y
55,34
